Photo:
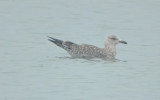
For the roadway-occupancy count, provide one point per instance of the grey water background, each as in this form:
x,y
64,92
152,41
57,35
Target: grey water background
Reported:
x,y
32,68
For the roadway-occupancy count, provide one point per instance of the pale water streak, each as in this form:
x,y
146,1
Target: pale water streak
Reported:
x,y
31,68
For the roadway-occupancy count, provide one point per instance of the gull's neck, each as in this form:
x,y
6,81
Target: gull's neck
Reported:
x,y
110,49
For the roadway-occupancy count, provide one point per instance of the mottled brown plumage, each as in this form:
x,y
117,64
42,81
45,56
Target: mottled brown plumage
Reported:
x,y
90,51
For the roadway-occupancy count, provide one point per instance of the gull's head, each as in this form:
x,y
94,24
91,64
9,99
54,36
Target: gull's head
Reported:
x,y
112,39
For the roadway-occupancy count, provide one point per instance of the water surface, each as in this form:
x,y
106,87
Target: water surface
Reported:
x,y
32,68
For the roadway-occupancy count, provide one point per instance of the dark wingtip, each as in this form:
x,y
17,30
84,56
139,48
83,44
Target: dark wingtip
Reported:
x,y
55,41
50,37
51,40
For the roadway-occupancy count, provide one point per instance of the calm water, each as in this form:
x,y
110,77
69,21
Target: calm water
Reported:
x,y
32,68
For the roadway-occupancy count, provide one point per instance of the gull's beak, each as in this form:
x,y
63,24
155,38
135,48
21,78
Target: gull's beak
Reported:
x,y
124,42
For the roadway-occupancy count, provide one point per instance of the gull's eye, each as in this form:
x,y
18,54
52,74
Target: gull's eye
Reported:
x,y
113,38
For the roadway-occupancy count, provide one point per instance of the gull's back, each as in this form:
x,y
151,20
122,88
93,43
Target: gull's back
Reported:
x,y
86,51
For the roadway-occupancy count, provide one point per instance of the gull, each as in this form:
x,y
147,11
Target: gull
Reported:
x,y
90,51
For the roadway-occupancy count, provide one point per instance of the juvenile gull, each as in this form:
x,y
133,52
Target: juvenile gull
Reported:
x,y
90,51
